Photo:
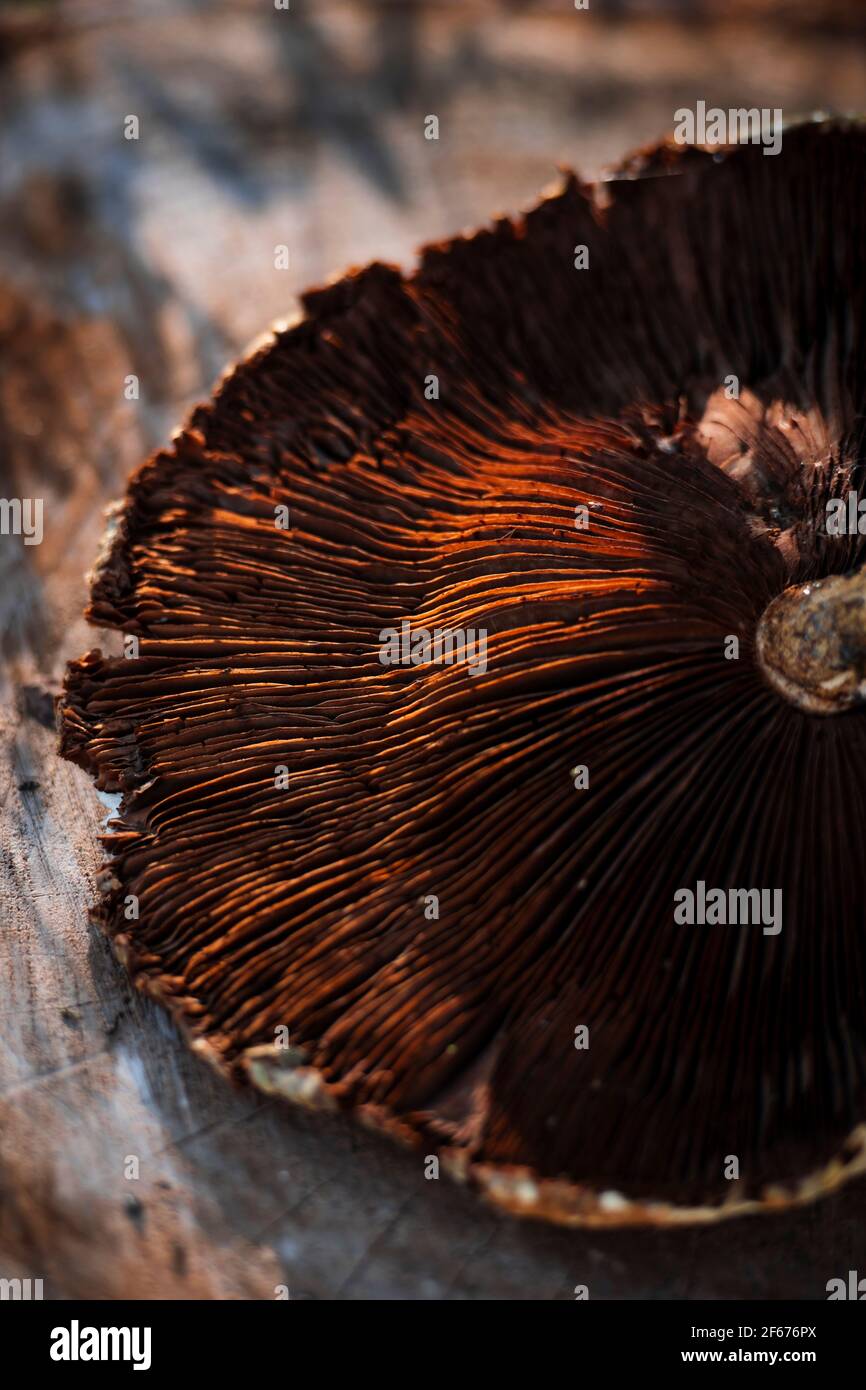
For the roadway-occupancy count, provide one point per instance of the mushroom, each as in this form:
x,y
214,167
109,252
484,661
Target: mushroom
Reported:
x,y
449,899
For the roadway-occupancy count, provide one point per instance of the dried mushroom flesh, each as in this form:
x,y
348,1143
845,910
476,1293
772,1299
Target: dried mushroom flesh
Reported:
x,y
455,889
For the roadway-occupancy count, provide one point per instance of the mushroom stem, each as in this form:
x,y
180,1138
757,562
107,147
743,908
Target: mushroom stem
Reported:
x,y
811,643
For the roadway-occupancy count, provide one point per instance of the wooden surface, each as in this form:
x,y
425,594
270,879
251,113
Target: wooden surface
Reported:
x,y
156,257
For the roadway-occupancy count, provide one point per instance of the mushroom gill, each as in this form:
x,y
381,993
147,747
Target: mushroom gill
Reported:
x,y
450,886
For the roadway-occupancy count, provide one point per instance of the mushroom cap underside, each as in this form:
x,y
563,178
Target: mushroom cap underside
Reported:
x,y
390,864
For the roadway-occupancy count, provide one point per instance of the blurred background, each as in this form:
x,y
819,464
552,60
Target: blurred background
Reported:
x,y
154,258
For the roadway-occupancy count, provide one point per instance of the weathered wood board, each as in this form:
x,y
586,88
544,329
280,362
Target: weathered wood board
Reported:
x,y
155,258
